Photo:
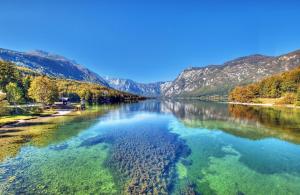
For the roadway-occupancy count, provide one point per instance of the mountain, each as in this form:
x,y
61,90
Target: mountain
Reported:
x,y
194,81
220,79
143,89
51,65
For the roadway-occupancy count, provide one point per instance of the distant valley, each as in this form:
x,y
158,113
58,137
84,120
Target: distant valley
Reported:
x,y
128,85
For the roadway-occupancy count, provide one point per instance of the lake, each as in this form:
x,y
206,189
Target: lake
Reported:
x,y
155,147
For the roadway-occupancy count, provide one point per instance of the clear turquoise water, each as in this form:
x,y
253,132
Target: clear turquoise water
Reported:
x,y
167,147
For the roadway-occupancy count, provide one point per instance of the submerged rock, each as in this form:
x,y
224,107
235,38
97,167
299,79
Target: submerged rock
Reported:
x,y
189,189
144,160
186,162
95,140
59,147
240,193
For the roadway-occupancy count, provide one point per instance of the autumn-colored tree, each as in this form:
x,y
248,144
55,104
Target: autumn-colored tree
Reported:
x,y
275,90
14,93
288,86
275,86
63,87
294,75
43,90
46,90
288,98
270,87
290,80
244,94
85,94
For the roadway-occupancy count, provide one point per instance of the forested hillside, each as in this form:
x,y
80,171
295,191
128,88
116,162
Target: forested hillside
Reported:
x,y
281,88
23,85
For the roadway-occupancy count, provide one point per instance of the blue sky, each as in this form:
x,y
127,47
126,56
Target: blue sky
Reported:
x,y
150,40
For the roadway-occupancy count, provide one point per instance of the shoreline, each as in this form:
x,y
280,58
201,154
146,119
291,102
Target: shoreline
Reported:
x,y
264,105
58,113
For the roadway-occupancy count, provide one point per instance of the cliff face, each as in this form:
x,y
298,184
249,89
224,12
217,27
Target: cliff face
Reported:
x,y
220,79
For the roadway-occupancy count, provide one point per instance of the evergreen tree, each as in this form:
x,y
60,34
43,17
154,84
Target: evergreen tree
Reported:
x,y
8,73
25,86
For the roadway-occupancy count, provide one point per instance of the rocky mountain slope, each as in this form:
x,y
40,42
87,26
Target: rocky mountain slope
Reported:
x,y
51,65
220,79
143,89
195,81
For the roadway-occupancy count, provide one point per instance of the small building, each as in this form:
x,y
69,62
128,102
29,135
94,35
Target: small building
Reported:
x,y
64,103
65,100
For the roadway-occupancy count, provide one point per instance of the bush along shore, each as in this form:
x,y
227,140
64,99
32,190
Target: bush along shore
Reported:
x,y
280,89
25,94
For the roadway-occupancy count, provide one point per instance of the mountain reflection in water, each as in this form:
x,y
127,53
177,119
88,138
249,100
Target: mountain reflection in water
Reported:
x,y
167,147
253,122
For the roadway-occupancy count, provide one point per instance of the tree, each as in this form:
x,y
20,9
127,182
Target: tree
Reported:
x,y
288,98
244,94
3,104
270,87
284,85
74,97
288,86
25,86
8,73
298,97
14,93
43,90
275,89
85,94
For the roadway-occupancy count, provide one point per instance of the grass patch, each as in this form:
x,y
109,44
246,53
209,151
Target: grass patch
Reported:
x,y
47,113
4,120
287,99
266,100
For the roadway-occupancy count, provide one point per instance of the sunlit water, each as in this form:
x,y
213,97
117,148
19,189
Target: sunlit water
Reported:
x,y
156,147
